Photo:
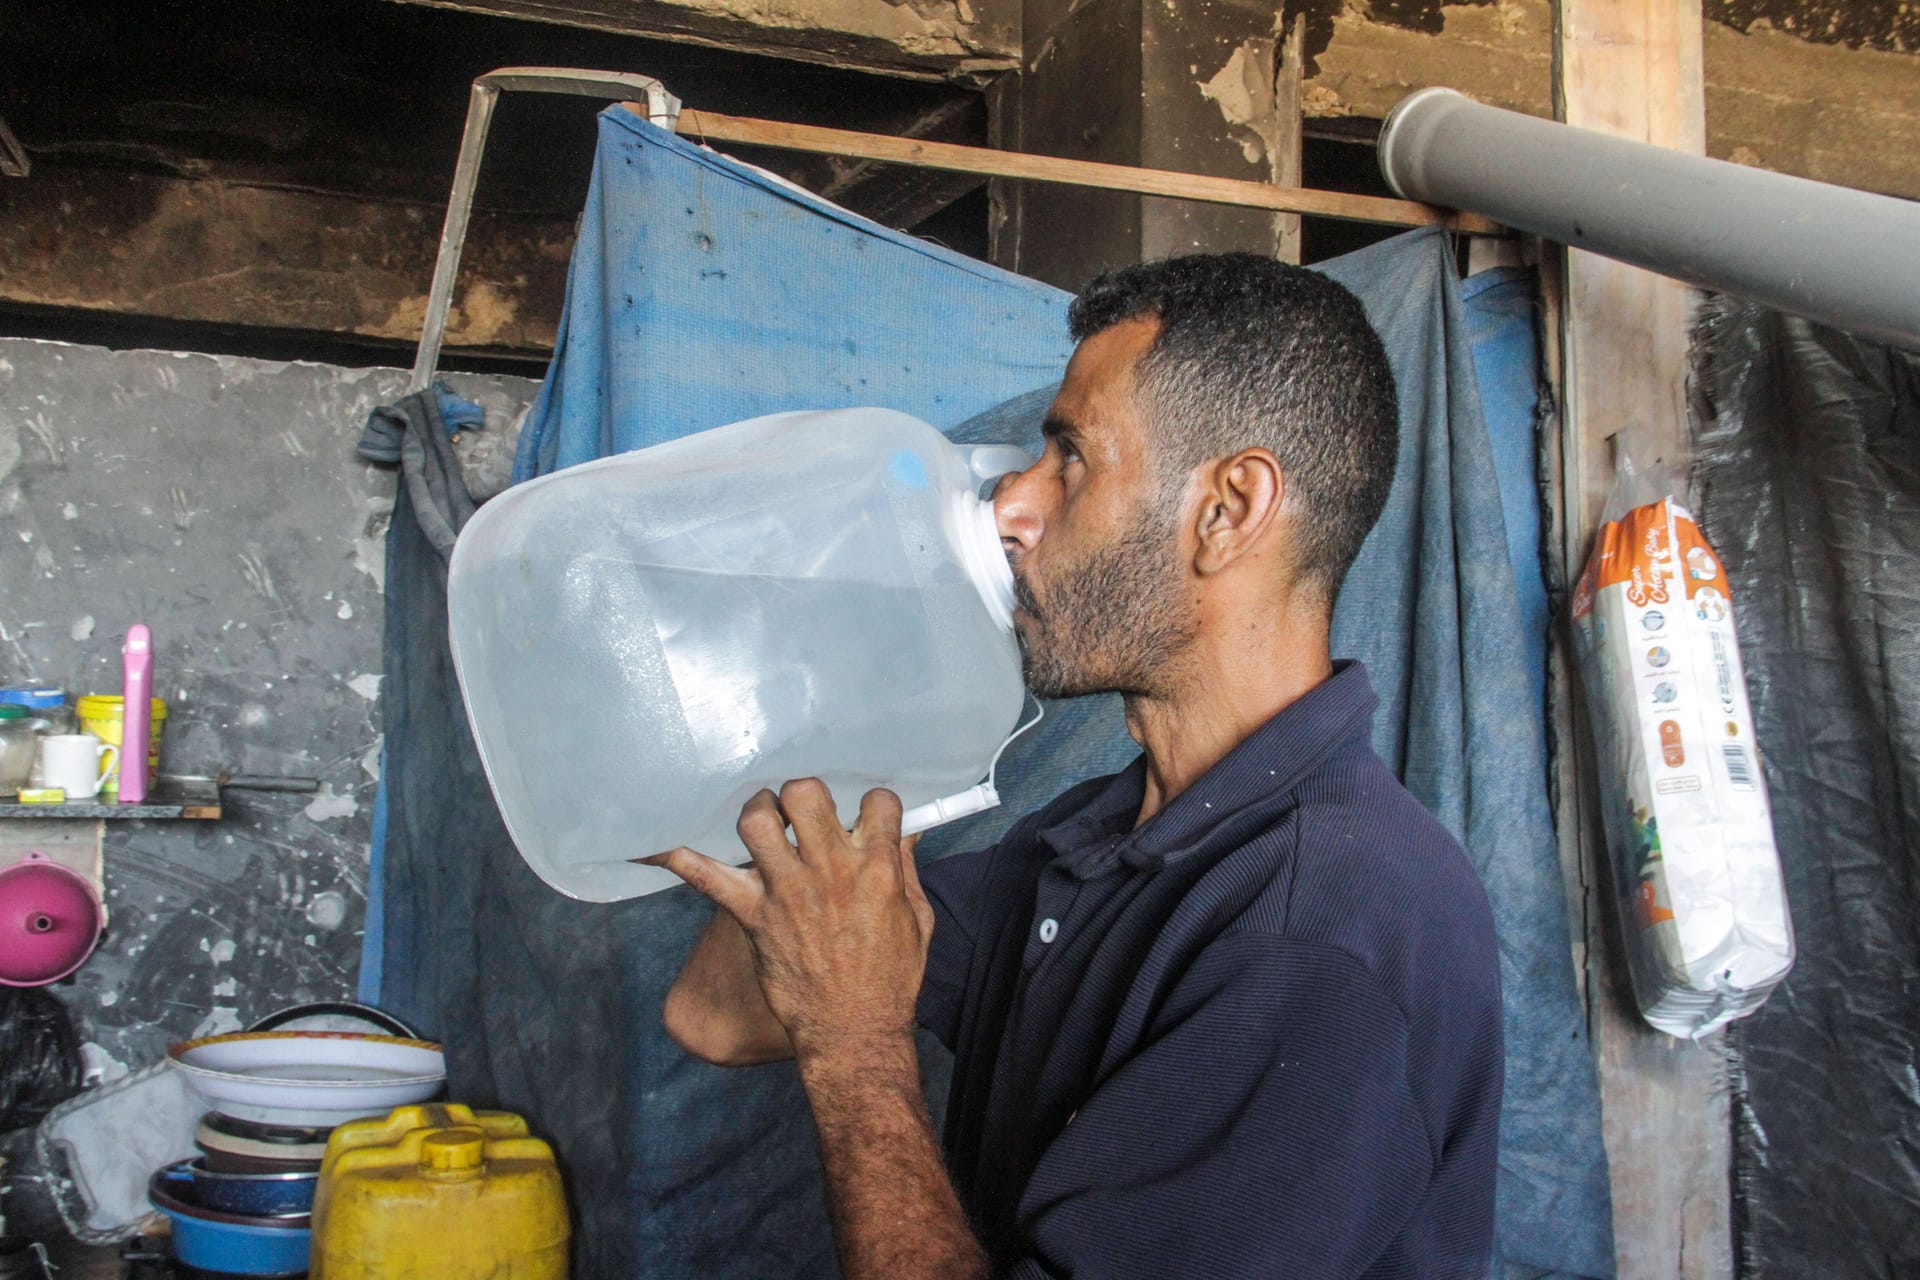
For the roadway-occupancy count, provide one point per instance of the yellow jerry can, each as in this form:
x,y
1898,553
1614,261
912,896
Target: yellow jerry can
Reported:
x,y
439,1192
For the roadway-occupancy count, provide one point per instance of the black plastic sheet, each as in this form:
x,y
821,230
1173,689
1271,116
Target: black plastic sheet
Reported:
x,y
39,1056
1807,459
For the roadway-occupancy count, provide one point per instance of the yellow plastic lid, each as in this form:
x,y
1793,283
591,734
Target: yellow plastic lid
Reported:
x,y
103,706
453,1151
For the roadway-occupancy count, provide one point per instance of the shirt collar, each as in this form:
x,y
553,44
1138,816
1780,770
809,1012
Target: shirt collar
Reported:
x,y
1269,763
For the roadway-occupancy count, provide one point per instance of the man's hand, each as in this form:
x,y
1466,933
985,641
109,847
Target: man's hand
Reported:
x,y
836,919
838,928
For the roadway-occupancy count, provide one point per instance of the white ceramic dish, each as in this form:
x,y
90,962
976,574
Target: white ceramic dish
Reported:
x,y
309,1077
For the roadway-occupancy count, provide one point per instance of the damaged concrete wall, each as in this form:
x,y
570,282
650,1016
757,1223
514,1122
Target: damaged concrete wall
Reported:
x,y
1825,89
925,37
221,501
1138,82
221,174
204,250
1816,109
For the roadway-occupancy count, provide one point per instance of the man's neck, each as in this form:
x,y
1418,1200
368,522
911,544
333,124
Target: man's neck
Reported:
x,y
1226,689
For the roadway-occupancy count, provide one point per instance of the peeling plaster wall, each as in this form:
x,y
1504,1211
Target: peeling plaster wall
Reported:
x,y
1501,53
1243,89
1784,89
221,501
1875,24
1822,111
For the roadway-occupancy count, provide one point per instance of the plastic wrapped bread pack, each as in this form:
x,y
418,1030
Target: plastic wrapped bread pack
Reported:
x,y
1688,830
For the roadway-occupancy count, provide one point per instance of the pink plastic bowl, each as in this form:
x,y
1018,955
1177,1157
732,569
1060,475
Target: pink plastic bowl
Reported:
x,y
50,919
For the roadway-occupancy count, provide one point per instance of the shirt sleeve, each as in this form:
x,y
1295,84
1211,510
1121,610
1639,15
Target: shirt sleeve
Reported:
x,y
955,887
1267,1129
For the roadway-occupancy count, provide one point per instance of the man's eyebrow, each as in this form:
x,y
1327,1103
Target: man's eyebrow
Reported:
x,y
1056,427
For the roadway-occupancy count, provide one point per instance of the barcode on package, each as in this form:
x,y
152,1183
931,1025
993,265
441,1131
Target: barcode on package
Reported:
x,y
1739,770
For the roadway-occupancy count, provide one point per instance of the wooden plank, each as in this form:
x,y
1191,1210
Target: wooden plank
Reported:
x,y
1632,68
201,250
1287,129
707,126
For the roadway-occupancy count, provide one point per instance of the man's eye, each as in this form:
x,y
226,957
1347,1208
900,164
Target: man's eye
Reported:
x,y
1068,454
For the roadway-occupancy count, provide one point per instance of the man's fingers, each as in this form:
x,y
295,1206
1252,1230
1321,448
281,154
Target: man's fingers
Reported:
x,y
736,890
910,885
763,830
808,805
878,826
879,815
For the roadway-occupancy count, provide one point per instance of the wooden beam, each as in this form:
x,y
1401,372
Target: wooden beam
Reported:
x,y
1287,136
704,126
236,254
1632,68
922,41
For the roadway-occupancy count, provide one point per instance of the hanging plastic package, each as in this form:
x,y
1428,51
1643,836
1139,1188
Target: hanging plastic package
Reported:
x,y
1689,835
644,641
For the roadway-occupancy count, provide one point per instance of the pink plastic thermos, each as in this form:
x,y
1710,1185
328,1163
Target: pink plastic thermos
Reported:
x,y
136,713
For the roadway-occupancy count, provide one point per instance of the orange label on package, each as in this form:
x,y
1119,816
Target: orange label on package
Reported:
x,y
1633,550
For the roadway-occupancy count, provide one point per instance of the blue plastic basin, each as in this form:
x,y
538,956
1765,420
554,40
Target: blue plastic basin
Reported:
x,y
215,1241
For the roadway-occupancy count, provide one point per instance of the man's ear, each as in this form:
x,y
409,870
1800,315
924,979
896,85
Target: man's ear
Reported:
x,y
1241,497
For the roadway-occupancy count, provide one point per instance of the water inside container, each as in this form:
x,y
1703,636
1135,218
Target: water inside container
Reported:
x,y
646,641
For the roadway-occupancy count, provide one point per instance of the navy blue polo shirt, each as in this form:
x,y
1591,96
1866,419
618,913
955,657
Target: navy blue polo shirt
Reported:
x,y
1258,1036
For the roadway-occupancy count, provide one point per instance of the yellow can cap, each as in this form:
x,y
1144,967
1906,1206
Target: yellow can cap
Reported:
x,y
453,1151
106,706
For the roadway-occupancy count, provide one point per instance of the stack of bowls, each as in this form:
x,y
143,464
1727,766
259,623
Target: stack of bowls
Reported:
x,y
210,1242
241,1208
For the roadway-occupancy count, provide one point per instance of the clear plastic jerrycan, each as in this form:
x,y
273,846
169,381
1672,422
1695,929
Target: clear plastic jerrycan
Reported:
x,y
645,641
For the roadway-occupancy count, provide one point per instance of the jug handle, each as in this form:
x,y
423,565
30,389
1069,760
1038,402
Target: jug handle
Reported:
x,y
975,799
991,461
961,804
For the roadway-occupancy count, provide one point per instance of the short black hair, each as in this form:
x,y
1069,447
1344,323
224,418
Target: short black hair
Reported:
x,y
1255,352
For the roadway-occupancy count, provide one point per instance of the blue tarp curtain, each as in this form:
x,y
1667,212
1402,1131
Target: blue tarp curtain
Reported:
x,y
703,292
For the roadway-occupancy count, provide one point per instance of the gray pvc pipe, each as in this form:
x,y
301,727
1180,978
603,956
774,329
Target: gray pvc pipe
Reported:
x,y
1843,257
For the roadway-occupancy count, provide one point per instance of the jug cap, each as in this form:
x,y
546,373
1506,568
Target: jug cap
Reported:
x,y
977,537
453,1151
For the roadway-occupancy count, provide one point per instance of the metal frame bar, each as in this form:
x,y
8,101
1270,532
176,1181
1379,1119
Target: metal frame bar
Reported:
x,y
660,106
647,97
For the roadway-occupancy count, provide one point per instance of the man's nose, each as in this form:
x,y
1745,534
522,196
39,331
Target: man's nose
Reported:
x,y
1017,511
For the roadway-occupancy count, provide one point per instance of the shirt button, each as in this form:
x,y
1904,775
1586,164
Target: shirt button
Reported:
x,y
1049,929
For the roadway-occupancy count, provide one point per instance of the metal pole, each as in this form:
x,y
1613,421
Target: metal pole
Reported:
x,y
662,108
1843,257
453,235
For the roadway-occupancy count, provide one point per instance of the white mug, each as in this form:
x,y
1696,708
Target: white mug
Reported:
x,y
72,762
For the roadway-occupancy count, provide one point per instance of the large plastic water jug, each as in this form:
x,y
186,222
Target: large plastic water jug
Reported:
x,y
645,641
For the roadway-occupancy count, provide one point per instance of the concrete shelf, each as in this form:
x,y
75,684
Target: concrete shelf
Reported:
x,y
169,797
